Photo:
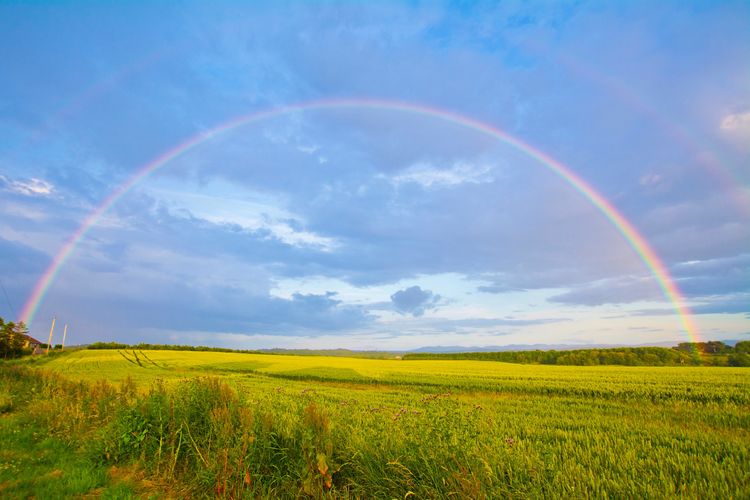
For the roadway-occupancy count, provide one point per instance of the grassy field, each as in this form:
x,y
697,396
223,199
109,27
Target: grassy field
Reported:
x,y
250,425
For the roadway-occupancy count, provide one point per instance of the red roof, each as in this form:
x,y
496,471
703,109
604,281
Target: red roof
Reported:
x,y
32,339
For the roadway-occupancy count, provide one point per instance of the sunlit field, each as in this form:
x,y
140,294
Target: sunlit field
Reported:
x,y
246,425
247,370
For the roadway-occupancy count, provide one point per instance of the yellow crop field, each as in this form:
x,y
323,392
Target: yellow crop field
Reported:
x,y
689,383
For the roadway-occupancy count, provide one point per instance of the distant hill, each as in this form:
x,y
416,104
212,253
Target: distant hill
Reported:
x,y
347,353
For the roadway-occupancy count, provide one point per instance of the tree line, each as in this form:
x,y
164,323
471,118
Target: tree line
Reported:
x,y
711,353
166,347
13,341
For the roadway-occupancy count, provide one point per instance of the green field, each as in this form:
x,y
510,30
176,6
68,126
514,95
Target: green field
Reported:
x,y
188,424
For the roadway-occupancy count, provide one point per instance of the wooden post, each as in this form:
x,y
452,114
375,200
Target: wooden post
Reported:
x,y
65,334
52,329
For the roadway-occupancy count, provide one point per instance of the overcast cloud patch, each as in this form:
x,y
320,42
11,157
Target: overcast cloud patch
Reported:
x,y
414,301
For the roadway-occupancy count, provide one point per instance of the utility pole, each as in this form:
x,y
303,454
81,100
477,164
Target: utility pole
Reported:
x,y
65,334
52,329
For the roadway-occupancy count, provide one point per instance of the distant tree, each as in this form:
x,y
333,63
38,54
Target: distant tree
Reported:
x,y
690,347
712,347
742,347
739,359
19,338
715,347
4,338
12,338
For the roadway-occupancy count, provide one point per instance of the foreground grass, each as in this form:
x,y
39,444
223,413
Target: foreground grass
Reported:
x,y
32,464
35,463
286,426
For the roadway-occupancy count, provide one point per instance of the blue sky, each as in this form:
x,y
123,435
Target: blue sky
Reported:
x,y
373,228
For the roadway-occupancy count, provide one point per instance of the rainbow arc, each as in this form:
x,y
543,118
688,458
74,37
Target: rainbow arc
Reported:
x,y
630,234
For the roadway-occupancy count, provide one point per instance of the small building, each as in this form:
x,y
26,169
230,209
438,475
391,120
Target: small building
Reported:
x,y
33,344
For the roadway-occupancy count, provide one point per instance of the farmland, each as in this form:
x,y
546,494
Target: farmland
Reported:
x,y
248,425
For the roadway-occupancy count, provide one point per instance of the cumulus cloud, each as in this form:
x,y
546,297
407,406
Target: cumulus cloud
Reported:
x,y
28,187
414,300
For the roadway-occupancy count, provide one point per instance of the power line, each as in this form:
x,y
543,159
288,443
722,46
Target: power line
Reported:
x,y
10,306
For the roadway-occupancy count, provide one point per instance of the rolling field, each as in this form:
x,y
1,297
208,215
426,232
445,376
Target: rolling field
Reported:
x,y
248,425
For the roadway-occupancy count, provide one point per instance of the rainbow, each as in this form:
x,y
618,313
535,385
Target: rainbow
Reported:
x,y
623,226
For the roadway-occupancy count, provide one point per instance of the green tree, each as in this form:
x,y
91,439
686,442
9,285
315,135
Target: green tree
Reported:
x,y
19,338
4,338
739,359
12,338
715,347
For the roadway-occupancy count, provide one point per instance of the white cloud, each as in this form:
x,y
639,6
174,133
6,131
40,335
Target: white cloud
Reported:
x,y
427,175
287,234
308,149
29,187
250,211
280,230
736,128
737,122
